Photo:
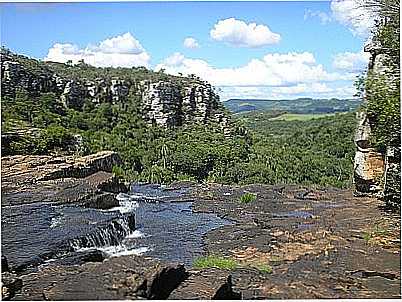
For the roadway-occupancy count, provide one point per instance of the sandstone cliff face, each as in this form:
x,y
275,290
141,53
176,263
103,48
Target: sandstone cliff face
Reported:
x,y
172,102
375,172
368,164
166,104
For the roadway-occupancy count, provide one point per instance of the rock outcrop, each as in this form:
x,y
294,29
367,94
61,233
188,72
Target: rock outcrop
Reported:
x,y
55,198
368,164
207,284
10,284
118,278
166,104
64,179
171,101
376,173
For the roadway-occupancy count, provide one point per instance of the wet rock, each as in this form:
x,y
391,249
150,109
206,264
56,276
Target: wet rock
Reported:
x,y
118,278
102,201
208,284
106,181
10,284
54,233
4,264
110,233
81,257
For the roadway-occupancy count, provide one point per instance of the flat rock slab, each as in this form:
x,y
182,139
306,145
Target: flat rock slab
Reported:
x,y
117,278
319,243
208,284
64,179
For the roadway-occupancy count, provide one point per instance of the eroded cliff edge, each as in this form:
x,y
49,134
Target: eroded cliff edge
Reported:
x,y
377,170
165,100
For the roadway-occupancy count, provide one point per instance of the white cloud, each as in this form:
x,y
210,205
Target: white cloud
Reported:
x,y
275,75
119,51
190,43
351,61
352,14
240,34
324,17
271,70
313,90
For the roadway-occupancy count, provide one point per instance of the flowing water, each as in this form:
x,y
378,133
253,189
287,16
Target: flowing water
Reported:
x,y
150,220
166,227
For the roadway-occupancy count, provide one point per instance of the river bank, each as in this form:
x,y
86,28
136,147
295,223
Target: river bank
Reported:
x,y
62,243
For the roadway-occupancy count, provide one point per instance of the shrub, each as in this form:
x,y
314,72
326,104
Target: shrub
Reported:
x,y
248,197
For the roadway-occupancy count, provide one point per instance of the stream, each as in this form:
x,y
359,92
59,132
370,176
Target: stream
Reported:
x,y
150,220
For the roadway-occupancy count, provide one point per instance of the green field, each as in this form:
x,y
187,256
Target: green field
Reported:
x,y
300,117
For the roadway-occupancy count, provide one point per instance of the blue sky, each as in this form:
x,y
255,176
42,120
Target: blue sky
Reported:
x,y
246,49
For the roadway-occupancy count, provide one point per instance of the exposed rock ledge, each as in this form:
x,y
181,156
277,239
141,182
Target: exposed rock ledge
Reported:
x,y
65,179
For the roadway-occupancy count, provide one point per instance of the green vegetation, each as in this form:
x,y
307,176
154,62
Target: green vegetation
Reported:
x,y
300,117
259,149
248,197
318,151
216,262
381,89
220,262
301,105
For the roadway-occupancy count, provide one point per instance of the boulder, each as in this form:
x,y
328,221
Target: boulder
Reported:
x,y
207,284
10,284
117,278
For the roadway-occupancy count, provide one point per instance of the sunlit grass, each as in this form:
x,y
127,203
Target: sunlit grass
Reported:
x,y
216,262
248,197
300,117
220,262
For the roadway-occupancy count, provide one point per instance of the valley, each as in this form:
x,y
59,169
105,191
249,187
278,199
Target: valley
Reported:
x,y
126,183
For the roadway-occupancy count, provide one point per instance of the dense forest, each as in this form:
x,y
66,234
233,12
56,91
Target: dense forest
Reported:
x,y
300,105
257,150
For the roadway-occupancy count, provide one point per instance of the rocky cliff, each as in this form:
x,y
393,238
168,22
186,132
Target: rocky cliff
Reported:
x,y
165,100
376,171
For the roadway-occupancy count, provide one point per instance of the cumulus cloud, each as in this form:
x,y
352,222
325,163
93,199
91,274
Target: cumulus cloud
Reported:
x,y
324,17
271,70
119,51
275,75
190,43
352,14
313,90
240,34
351,61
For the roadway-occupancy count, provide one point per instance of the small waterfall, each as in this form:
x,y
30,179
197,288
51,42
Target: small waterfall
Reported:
x,y
109,235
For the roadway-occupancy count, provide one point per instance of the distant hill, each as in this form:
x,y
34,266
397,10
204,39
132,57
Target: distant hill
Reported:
x,y
301,105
